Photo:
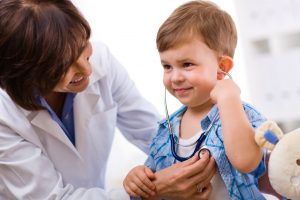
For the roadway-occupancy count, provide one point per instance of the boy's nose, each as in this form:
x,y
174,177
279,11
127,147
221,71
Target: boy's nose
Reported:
x,y
177,76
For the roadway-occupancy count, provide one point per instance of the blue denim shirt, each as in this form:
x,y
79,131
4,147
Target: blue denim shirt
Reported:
x,y
239,185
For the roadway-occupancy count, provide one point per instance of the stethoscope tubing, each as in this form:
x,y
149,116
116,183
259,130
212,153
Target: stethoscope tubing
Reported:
x,y
200,139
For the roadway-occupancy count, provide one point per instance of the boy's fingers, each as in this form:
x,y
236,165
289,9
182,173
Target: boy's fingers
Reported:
x,y
137,190
130,192
142,182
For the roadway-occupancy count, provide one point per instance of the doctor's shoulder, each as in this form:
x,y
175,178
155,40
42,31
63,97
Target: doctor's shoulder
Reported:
x,y
11,114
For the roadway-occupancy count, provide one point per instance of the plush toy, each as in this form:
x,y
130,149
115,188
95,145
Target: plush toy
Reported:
x,y
284,163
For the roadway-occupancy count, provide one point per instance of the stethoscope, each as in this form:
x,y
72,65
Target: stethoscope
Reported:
x,y
200,139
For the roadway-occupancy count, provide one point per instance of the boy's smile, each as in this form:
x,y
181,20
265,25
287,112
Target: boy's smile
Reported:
x,y
190,71
182,91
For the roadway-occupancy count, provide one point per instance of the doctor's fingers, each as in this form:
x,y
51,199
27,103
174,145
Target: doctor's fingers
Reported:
x,y
203,179
188,162
204,194
197,167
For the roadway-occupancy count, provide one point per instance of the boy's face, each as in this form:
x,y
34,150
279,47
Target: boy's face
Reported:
x,y
77,77
190,72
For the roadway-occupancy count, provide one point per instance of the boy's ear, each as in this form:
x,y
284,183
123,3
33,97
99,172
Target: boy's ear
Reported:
x,y
225,65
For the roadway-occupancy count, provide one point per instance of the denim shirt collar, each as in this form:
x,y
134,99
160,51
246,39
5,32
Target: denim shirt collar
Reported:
x,y
175,119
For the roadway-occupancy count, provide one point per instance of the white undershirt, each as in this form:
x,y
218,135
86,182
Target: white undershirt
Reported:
x,y
186,148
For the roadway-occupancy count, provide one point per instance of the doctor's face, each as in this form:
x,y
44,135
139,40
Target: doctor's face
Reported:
x,y
77,77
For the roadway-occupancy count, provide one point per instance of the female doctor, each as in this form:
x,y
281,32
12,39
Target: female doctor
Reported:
x,y
60,105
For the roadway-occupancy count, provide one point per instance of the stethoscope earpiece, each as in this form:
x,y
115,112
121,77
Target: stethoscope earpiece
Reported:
x,y
226,73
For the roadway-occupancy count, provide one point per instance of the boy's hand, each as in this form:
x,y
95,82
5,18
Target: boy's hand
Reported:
x,y
225,90
138,183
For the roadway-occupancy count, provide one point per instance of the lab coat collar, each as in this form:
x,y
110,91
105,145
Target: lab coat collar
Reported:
x,y
84,105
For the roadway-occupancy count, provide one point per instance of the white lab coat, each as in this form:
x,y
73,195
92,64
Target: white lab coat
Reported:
x,y
37,160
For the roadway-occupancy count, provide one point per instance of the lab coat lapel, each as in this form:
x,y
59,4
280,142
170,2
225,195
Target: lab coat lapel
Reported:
x,y
43,121
85,104
84,109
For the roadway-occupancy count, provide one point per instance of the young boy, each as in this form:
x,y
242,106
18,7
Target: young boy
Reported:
x,y
196,46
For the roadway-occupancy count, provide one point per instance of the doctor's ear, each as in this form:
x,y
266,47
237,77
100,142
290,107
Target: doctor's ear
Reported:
x,y
225,65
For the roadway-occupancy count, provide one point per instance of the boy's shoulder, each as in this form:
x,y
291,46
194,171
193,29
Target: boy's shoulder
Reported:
x,y
249,107
253,113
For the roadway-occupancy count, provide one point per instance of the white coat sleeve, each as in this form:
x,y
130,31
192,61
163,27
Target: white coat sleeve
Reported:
x,y
26,173
137,118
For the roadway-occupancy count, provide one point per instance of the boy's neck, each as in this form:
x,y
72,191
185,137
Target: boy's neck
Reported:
x,y
190,125
200,110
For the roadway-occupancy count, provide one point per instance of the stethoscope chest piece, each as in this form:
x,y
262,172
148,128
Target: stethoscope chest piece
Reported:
x,y
204,150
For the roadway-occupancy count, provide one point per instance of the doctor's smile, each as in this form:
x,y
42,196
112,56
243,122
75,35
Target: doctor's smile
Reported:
x,y
79,81
76,78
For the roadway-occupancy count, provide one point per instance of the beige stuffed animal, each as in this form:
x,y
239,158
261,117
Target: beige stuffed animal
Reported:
x,y
284,163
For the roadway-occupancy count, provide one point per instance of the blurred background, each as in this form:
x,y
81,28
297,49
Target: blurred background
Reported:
x,y
266,67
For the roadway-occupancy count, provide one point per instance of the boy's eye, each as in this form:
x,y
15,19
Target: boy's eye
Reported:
x,y
167,67
187,64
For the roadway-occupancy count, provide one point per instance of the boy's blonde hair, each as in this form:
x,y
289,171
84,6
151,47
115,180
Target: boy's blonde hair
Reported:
x,y
202,19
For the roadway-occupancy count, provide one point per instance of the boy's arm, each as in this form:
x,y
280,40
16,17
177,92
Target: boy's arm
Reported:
x,y
240,146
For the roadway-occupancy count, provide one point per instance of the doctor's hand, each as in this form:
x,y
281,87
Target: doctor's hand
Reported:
x,y
225,90
138,183
185,180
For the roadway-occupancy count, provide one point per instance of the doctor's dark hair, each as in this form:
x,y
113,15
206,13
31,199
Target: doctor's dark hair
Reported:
x,y
39,41
202,19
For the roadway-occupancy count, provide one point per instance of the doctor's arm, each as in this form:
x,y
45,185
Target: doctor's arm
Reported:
x,y
27,173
